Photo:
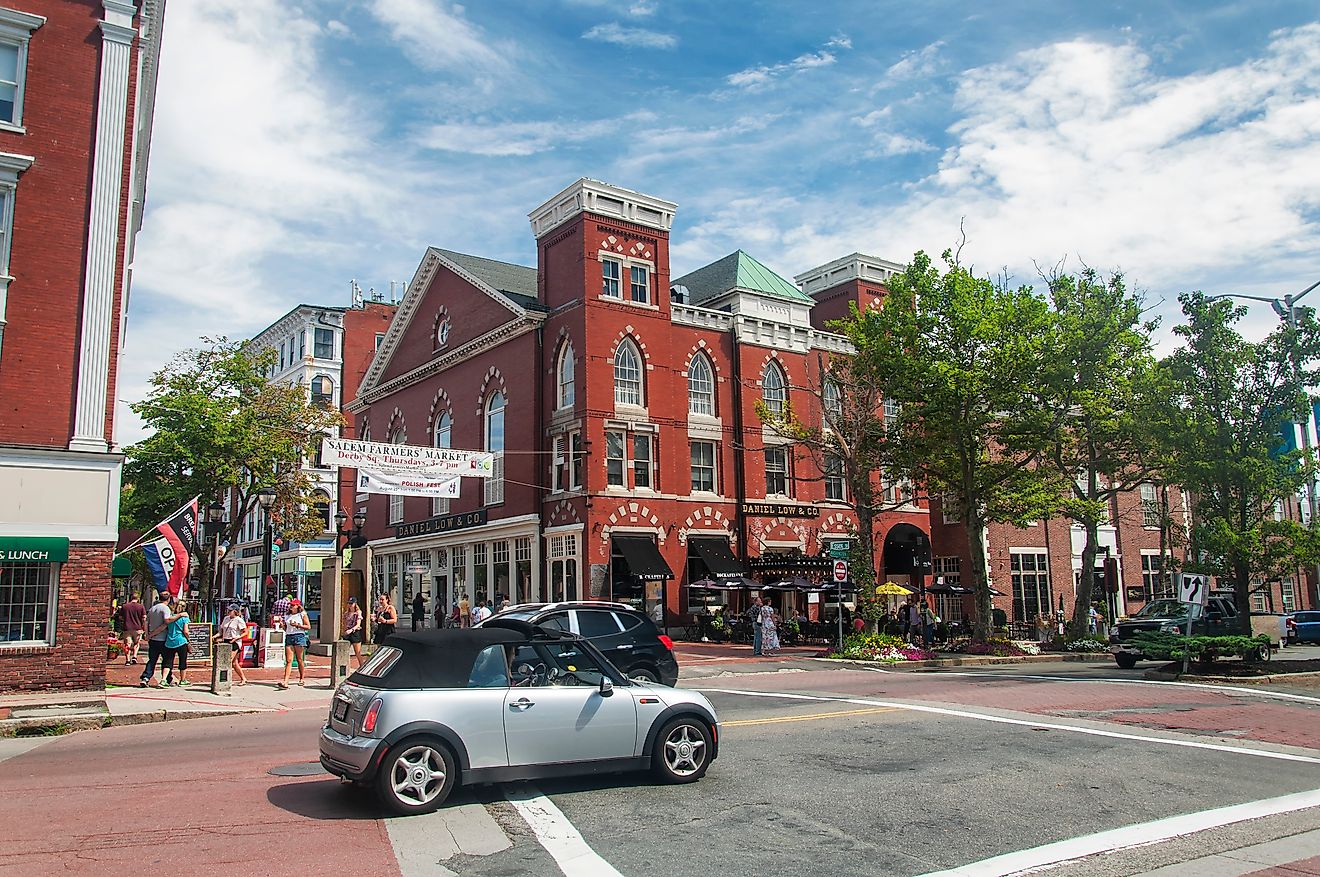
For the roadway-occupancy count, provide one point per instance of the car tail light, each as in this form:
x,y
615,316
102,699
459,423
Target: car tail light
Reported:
x,y
666,642
369,720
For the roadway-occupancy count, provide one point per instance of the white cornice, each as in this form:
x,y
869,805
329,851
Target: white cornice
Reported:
x,y
24,22
417,290
602,199
855,266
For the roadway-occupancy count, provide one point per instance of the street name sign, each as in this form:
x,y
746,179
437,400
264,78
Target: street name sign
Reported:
x,y
839,549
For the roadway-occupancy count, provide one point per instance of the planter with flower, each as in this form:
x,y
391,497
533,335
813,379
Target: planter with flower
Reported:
x,y
997,647
113,647
880,647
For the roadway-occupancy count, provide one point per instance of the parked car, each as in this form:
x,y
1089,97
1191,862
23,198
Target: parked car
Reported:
x,y
1217,617
507,701
1303,627
627,637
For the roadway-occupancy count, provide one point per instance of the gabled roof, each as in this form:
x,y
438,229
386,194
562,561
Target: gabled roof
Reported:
x,y
518,282
739,271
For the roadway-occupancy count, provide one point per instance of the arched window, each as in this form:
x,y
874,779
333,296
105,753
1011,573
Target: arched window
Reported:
x,y
321,502
832,397
627,375
772,388
701,387
323,390
566,376
443,429
495,443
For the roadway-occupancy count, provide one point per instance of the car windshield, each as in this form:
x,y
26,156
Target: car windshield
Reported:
x,y
1163,609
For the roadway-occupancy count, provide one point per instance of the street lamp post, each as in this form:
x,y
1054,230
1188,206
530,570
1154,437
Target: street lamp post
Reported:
x,y
266,499
352,536
215,525
1287,311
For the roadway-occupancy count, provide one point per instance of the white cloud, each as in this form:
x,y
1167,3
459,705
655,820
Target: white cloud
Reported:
x,y
635,37
761,76
916,64
437,36
890,144
523,138
338,28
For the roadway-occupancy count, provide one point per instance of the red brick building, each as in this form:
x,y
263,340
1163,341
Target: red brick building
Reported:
x,y
77,86
621,405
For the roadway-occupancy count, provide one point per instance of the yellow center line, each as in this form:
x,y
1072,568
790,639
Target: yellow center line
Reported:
x,y
807,718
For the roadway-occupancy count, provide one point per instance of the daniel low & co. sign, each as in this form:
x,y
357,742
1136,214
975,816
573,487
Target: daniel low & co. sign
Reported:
x,y
34,549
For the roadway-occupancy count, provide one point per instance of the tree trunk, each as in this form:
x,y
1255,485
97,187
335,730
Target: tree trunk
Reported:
x,y
1080,624
1242,596
983,624
866,541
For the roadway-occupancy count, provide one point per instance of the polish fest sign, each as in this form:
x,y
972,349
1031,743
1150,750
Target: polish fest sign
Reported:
x,y
407,470
408,484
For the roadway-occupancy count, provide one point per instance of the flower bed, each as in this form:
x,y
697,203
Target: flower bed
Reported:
x,y
880,647
997,647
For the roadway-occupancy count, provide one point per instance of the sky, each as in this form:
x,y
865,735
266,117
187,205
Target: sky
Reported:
x,y
301,145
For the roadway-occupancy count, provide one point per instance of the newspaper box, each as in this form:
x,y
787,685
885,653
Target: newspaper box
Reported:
x,y
271,653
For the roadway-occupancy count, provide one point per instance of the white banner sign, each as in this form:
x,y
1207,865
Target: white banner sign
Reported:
x,y
408,484
416,459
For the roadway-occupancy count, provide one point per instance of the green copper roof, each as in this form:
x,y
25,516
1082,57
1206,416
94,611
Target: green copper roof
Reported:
x,y
739,271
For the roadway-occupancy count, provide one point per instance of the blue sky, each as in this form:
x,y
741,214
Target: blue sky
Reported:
x,y
301,145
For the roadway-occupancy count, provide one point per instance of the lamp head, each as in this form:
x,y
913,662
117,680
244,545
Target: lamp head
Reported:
x,y
266,497
215,511
359,518
341,518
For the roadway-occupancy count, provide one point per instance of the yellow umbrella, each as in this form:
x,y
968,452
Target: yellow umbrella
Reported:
x,y
891,589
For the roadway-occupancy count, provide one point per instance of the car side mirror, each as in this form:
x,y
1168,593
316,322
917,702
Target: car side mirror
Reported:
x,y
606,687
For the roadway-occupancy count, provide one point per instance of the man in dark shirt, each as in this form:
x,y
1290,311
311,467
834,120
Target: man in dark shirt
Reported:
x,y
418,611
135,619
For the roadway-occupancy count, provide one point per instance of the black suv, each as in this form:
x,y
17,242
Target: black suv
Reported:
x,y
1217,618
627,637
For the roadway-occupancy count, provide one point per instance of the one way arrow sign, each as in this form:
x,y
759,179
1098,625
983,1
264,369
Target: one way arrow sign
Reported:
x,y
1193,589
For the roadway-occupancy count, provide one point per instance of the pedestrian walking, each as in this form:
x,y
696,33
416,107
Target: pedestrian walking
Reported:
x,y
232,629
296,628
418,612
464,611
353,628
157,621
754,616
769,630
927,619
135,621
176,642
385,618
481,613
439,612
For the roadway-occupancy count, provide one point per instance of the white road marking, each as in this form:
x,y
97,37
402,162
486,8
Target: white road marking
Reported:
x,y
1038,858
561,840
1004,720
421,843
1226,689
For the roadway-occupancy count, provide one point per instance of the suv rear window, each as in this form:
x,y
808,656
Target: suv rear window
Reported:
x,y
628,620
381,662
556,621
594,622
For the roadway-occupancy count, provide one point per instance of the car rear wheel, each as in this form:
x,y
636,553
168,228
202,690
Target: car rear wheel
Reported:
x,y
682,750
417,776
643,674
1126,661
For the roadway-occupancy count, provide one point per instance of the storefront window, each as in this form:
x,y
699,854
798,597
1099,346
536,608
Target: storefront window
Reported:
x,y
480,573
522,558
27,602
562,551
500,570
458,577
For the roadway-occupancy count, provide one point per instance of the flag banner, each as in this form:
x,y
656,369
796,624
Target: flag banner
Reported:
x,y
408,484
414,459
179,534
160,560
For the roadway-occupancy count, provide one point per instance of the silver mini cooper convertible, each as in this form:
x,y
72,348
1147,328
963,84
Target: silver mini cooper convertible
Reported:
x,y
507,701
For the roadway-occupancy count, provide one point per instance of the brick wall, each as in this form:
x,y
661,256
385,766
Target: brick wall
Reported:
x,y
77,660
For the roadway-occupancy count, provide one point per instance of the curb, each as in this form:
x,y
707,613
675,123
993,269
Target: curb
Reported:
x,y
153,716
976,661
1159,676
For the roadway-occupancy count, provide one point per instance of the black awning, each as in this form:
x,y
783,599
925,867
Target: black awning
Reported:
x,y
642,558
719,560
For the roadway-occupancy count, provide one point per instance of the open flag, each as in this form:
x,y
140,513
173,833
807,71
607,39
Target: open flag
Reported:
x,y
168,556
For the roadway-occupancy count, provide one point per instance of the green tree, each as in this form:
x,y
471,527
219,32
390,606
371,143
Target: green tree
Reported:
x,y
1234,400
1111,399
970,360
220,426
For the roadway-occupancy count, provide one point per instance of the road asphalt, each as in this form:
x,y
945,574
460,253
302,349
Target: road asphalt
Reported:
x,y
824,769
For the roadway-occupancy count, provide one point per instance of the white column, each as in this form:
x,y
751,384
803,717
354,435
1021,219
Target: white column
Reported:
x,y
94,354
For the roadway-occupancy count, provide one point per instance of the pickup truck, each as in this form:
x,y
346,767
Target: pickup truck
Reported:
x,y
1217,618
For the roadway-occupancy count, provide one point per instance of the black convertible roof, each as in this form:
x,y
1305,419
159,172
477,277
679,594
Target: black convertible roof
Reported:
x,y
444,658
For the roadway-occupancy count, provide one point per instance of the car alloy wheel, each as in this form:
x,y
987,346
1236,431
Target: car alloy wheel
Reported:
x,y
641,674
417,777
684,750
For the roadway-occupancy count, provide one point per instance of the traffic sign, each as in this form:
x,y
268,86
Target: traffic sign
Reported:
x,y
839,548
1193,588
841,570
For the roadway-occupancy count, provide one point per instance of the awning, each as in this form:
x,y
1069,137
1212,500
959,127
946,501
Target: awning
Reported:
x,y
719,560
643,558
121,567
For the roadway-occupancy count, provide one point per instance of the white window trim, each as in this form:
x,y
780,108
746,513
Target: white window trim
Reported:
x,y
788,473
494,485
52,619
714,468
713,414
566,355
17,28
11,165
626,264
640,405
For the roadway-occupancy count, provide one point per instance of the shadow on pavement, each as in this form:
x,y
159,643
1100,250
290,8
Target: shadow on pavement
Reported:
x,y
326,799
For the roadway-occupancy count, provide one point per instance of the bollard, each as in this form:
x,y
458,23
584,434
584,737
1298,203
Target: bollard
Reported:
x,y
341,656
220,669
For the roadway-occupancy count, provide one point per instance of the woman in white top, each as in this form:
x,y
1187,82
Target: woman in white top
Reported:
x,y
232,629
296,628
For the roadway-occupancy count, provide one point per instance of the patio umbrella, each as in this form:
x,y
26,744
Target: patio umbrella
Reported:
x,y
891,589
705,584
